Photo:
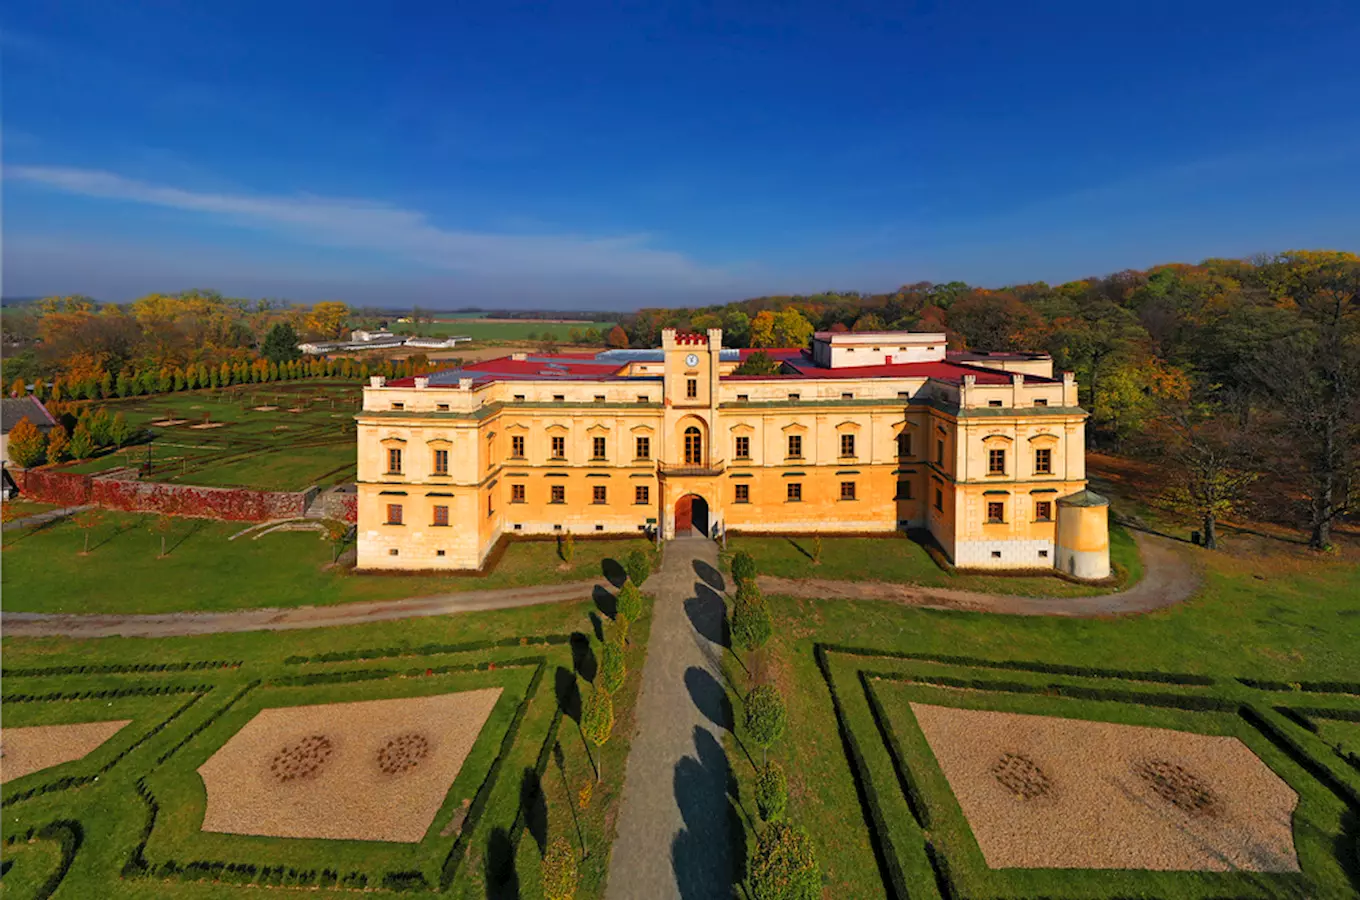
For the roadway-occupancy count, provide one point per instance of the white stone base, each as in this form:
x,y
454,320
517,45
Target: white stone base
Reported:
x,y
1092,564
1012,554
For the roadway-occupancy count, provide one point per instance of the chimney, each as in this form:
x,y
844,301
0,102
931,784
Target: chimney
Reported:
x,y
422,382
465,384
376,381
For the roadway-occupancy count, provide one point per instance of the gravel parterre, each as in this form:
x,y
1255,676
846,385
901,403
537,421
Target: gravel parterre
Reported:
x,y
27,750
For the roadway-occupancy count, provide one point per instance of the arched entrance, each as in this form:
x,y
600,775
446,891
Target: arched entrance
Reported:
x,y
691,512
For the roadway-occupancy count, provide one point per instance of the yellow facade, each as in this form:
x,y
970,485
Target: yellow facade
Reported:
x,y
976,455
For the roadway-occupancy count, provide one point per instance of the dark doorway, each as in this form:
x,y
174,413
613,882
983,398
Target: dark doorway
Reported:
x,y
691,512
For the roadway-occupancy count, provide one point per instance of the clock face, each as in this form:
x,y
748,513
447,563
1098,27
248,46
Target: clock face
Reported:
x,y
692,360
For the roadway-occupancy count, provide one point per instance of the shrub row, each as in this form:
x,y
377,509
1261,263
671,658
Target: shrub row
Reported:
x,y
915,799
109,693
521,823
1323,712
70,835
1192,702
449,870
1023,666
120,669
1299,754
68,782
218,872
427,649
1312,687
349,675
199,728
889,866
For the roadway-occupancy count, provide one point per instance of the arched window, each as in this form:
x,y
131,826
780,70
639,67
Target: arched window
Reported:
x,y
694,446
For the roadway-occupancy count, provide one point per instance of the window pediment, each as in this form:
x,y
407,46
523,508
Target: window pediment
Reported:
x,y
517,427
393,439
998,438
598,428
557,429
794,428
1045,438
642,429
440,442
848,427
742,428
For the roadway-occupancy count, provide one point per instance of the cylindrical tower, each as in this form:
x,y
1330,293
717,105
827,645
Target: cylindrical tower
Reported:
x,y
1083,540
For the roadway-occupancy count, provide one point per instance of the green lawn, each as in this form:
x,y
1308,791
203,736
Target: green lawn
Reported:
x,y
1247,621
899,559
45,570
22,508
528,767
307,438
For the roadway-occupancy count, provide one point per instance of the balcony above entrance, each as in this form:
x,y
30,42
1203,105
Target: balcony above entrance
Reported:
x,y
680,470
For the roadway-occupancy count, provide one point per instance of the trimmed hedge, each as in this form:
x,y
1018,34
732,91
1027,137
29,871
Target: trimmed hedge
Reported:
x,y
910,789
1192,702
1299,754
890,868
1025,666
427,649
108,693
201,726
69,834
138,668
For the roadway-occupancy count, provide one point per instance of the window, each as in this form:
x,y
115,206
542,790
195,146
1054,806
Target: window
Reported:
x,y
904,444
599,398
904,490
743,447
519,398
996,462
939,452
743,398
398,406
597,448
847,396
644,448
559,448
692,388
847,490
516,493
794,491
393,552
795,446
1043,461
441,462
559,494
599,494
393,461
939,499
441,407
1043,554
441,516
490,507
993,402
558,398
517,446
743,494
847,445
642,495
1043,510
996,511
795,397
694,446
1041,401
642,398
394,514
439,553
904,395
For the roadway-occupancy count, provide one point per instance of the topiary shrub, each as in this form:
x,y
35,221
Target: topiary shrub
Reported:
x,y
784,866
749,591
629,602
751,626
597,721
612,669
638,565
766,716
743,567
772,792
559,871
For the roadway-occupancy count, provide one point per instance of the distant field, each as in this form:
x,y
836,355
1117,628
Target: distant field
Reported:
x,y
308,438
502,329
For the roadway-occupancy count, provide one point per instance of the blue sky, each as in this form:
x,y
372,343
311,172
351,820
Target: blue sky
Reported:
x,y
642,153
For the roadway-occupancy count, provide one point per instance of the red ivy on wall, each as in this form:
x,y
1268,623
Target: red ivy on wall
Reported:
x,y
234,504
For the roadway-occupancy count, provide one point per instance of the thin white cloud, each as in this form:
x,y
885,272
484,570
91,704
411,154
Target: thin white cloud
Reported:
x,y
409,234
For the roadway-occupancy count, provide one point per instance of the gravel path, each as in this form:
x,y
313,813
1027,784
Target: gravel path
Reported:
x,y
1168,579
674,832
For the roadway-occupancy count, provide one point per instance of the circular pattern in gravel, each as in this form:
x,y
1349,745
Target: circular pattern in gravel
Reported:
x,y
1050,792
403,752
1175,785
1021,776
301,760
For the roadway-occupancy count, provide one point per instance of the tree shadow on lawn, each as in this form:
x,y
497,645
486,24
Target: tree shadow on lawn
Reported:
x,y
710,576
583,656
502,881
799,547
568,694
534,808
197,526
109,536
605,601
614,572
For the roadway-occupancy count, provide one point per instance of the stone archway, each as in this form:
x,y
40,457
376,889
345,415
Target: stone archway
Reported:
x,y
691,516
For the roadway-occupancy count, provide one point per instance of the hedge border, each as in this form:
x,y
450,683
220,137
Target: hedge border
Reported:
x,y
108,693
72,781
432,649
130,669
1181,678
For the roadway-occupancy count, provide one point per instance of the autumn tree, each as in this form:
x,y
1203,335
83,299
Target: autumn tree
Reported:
x,y
757,363
559,871
281,344
328,318
26,444
120,432
786,328
618,338
613,669
1206,465
784,865
597,721
82,442
58,444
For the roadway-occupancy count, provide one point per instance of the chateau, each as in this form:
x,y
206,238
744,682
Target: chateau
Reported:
x,y
858,433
